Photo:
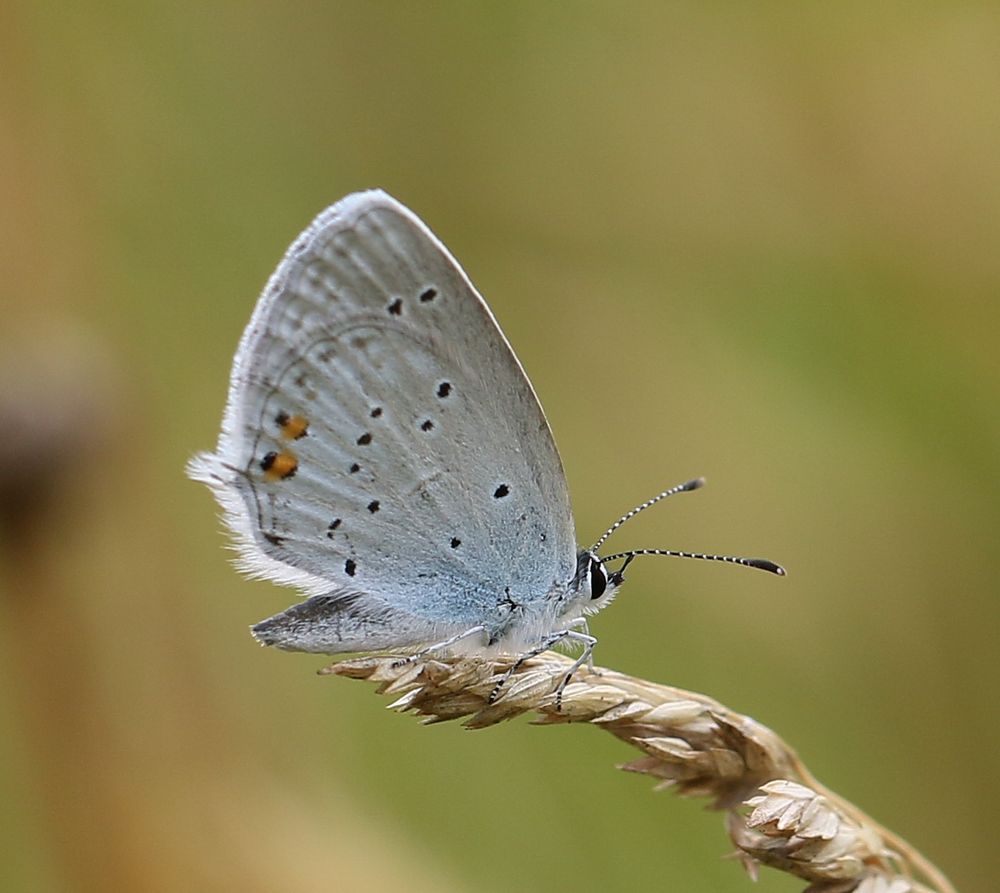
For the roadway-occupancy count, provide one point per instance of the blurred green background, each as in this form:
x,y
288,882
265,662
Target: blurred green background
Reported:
x,y
757,242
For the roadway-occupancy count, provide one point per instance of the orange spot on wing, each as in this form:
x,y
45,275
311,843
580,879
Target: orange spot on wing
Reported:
x,y
278,466
294,427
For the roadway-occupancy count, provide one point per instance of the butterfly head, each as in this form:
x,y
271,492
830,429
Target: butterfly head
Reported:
x,y
595,585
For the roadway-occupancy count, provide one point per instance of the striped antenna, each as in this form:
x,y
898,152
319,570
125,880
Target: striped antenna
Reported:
x,y
680,488
760,563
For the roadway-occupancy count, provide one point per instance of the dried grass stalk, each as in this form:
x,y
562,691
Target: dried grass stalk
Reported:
x,y
777,814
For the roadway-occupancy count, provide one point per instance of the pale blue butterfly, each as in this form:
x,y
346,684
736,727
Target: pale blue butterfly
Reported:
x,y
383,450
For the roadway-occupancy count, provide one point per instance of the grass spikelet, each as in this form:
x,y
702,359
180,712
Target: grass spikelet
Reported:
x,y
777,814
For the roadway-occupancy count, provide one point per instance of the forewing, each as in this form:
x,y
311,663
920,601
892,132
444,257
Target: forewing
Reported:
x,y
381,437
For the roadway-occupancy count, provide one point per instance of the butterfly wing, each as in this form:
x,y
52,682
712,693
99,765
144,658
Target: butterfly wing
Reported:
x,y
382,447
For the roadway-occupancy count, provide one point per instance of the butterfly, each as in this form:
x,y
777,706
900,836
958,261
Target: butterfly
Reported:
x,y
383,451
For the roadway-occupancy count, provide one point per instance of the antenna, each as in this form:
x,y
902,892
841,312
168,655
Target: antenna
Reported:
x,y
760,563
680,488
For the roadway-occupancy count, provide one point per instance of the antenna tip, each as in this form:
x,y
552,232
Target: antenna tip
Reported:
x,y
693,485
765,565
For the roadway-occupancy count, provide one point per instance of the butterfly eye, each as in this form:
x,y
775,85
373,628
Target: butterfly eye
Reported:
x,y
598,579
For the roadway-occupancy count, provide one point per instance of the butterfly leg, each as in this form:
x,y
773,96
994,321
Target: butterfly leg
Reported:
x,y
585,629
553,638
585,658
438,646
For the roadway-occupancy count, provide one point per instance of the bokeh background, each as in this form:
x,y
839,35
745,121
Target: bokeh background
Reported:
x,y
757,242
